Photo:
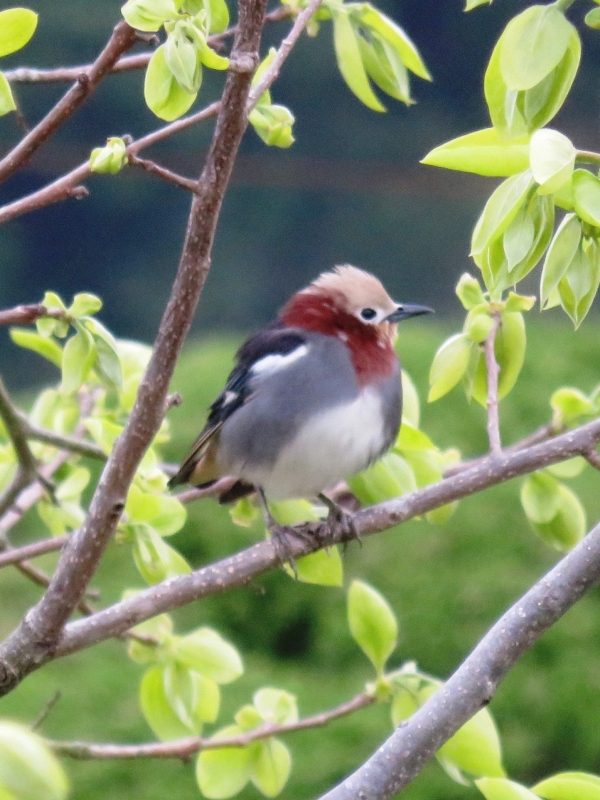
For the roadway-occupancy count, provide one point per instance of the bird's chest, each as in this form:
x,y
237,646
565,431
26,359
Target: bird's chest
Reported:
x,y
330,445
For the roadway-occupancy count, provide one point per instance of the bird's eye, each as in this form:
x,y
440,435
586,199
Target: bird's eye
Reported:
x,y
368,313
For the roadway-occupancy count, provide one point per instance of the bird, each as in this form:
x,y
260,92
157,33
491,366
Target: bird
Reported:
x,y
314,398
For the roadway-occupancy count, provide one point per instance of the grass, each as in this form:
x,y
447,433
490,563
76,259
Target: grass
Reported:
x,y
447,585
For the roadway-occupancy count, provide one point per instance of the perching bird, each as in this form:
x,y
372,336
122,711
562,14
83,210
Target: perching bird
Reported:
x,y
314,398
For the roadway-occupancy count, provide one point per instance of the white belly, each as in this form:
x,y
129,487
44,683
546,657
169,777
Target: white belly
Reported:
x,y
333,445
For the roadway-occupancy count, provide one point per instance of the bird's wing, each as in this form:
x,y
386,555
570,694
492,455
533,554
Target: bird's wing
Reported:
x,y
262,354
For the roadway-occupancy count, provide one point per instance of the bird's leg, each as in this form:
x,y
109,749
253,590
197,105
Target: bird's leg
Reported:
x,y
340,520
280,535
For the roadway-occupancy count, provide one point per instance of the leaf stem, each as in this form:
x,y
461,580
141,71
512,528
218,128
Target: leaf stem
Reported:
x,y
493,371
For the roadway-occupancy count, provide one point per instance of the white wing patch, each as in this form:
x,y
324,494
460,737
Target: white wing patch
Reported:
x,y
276,361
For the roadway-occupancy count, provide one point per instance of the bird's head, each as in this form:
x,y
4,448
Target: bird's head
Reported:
x,y
349,303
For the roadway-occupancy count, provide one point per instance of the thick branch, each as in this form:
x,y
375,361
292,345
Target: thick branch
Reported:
x,y
184,748
35,639
245,566
473,685
492,371
123,37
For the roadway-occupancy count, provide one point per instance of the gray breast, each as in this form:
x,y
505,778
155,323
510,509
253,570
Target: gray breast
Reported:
x,y
281,402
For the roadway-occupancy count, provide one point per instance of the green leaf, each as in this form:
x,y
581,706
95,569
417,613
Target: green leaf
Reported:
x,y
385,68
163,95
244,512
569,785
210,655
349,60
387,29
552,156
540,497
570,404
503,789
78,358
7,101
404,705
469,291
500,210
153,557
532,45
449,365
248,718
519,302
211,59
219,16
509,349
478,326
84,304
471,4
518,238
33,341
209,698
108,160
28,768
592,19
157,710
180,691
148,15
72,487
276,706
323,568
586,196
272,767
568,526
372,623
475,748
568,469
410,401
578,287
560,255
17,26
273,124
483,152
502,103
389,477
182,59
223,773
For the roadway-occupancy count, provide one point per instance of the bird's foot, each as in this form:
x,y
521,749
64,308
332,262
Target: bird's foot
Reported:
x,y
283,539
340,522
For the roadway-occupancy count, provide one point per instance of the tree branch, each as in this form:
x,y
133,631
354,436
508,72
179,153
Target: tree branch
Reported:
x,y
473,685
126,64
36,637
14,555
492,371
26,315
184,748
245,566
164,173
123,37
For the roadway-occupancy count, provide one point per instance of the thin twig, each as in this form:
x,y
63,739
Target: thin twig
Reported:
x,y
184,748
123,37
15,554
493,371
285,48
27,471
71,443
125,64
46,710
164,173
27,314
593,458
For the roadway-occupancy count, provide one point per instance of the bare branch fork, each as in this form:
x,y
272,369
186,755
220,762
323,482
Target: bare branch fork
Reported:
x,y
184,748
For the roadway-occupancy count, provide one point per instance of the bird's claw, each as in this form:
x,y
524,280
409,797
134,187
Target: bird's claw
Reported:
x,y
341,522
283,537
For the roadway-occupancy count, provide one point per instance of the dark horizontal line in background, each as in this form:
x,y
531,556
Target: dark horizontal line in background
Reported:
x,y
304,173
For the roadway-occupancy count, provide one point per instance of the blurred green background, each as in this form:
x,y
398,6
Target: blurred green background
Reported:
x,y
350,189
447,585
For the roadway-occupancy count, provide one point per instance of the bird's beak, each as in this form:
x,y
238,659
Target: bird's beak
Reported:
x,y
404,311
